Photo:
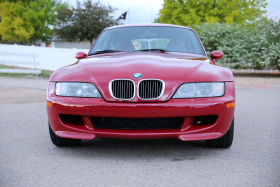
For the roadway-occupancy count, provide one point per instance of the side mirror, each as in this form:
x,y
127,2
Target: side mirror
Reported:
x,y
80,55
216,55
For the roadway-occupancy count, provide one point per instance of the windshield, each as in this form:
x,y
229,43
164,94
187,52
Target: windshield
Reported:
x,y
148,38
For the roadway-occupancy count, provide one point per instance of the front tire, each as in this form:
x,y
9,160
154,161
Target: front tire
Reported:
x,y
62,142
224,141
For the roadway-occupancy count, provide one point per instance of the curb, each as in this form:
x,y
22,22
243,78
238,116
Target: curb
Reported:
x,y
255,73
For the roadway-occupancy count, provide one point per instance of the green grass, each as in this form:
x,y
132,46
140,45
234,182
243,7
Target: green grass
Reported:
x,y
44,74
4,66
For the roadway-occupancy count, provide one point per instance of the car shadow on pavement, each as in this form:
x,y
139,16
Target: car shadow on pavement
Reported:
x,y
170,149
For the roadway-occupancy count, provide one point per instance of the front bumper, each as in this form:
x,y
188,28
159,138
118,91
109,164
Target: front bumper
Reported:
x,y
186,108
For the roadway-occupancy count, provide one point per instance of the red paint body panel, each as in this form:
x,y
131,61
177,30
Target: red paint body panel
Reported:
x,y
171,67
81,55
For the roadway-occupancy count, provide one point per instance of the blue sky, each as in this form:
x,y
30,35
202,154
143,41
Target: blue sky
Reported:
x,y
273,9
145,11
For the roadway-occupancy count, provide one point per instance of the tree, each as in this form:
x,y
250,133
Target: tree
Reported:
x,y
25,21
195,12
84,22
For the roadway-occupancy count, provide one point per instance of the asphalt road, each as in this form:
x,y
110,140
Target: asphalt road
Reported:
x,y
28,158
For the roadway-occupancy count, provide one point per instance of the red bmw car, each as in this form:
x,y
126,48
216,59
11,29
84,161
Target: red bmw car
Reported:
x,y
143,82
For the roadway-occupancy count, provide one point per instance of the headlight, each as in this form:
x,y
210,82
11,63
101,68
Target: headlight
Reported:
x,y
200,89
76,89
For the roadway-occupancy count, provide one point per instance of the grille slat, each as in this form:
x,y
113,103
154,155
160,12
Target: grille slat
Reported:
x,y
122,89
150,89
121,93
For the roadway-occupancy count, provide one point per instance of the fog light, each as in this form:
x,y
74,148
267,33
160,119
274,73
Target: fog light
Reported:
x,y
71,119
205,120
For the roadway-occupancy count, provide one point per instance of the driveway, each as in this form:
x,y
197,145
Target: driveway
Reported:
x,y
28,158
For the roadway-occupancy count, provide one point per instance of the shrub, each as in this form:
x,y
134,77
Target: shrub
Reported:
x,y
255,46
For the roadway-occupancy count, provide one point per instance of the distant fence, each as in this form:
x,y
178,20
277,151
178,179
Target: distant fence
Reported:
x,y
37,57
7,58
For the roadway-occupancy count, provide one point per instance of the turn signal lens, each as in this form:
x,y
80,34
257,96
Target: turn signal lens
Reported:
x,y
229,105
49,104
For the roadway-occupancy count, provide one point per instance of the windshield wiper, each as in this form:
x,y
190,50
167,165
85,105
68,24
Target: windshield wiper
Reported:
x,y
104,51
158,50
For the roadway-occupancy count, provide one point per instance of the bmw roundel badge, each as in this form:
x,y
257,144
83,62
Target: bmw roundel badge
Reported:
x,y
137,75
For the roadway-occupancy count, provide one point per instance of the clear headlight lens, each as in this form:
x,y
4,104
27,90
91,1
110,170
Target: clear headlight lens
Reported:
x,y
76,89
200,89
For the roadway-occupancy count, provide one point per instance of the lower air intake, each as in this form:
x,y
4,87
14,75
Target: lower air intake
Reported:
x,y
137,123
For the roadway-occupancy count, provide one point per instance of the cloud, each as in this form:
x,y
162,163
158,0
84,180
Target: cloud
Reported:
x,y
139,11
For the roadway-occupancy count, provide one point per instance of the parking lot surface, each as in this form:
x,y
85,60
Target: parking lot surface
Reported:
x,y
28,158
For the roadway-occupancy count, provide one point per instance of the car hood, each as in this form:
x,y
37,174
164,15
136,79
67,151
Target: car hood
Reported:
x,y
174,69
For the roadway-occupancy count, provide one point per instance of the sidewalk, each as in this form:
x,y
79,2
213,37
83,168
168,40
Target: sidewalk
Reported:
x,y
255,73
